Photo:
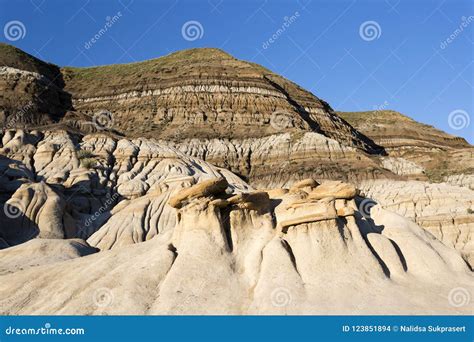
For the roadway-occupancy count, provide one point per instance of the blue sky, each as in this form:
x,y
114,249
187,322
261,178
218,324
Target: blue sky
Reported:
x,y
402,60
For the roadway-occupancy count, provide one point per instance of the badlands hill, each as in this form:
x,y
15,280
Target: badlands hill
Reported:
x,y
232,113
198,183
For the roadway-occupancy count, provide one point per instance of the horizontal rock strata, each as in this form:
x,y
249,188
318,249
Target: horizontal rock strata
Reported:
x,y
416,150
444,210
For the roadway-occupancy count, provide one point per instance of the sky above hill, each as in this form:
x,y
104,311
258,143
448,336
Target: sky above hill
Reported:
x,y
413,56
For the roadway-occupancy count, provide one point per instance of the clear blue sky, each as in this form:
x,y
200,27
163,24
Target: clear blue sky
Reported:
x,y
408,65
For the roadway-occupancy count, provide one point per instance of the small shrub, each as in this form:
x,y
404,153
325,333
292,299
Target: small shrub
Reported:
x,y
88,163
84,154
470,211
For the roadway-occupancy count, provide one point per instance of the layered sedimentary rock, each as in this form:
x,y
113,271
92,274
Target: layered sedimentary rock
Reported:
x,y
204,93
280,160
31,90
422,152
394,130
206,102
417,150
171,234
234,114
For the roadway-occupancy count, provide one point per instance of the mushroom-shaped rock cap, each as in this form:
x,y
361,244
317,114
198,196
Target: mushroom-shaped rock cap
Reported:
x,y
305,183
334,189
257,200
205,188
276,193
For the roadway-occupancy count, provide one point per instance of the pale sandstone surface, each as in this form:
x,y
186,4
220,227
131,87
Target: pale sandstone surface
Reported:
x,y
38,252
219,248
129,182
444,210
232,259
461,180
50,193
